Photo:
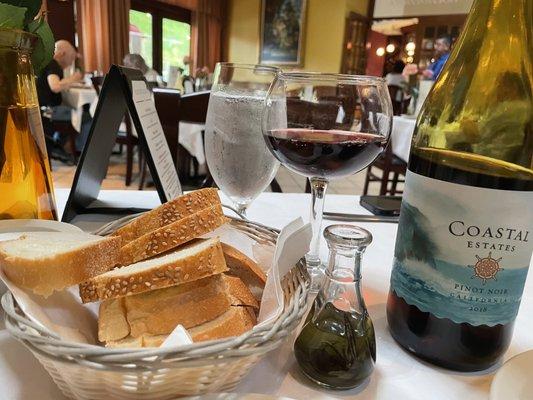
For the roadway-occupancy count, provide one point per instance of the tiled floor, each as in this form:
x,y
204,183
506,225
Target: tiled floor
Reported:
x,y
290,182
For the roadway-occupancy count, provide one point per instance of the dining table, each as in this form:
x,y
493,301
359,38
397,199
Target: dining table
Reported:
x,y
397,375
403,127
76,97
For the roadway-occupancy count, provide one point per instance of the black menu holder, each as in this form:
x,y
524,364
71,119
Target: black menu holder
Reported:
x,y
123,89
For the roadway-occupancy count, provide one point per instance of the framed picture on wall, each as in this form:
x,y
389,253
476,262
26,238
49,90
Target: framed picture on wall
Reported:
x,y
282,32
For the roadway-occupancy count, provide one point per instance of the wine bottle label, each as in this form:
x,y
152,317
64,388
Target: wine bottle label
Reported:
x,y
463,252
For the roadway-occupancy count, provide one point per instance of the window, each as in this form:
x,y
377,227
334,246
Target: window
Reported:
x,y
141,35
176,44
160,33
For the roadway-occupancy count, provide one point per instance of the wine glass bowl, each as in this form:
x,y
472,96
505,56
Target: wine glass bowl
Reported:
x,y
326,126
236,154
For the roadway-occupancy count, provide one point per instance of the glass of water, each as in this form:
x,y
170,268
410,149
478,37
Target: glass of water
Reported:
x,y
236,154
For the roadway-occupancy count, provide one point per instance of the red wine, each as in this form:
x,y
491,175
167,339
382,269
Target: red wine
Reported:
x,y
324,153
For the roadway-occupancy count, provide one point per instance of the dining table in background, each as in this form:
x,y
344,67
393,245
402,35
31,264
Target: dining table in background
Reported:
x,y
76,97
191,138
401,135
397,375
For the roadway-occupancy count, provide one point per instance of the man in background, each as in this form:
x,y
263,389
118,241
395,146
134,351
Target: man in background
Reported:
x,y
50,83
442,46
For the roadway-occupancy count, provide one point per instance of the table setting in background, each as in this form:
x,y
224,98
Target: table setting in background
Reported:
x,y
76,97
230,291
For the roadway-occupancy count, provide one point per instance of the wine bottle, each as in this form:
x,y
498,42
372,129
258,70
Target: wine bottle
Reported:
x,y
465,235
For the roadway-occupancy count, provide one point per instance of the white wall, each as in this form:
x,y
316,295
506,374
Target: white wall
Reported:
x,y
408,8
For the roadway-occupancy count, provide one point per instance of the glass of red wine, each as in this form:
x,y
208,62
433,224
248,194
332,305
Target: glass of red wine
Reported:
x,y
325,126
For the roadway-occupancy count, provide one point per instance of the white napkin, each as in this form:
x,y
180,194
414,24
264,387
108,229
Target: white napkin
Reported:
x,y
292,244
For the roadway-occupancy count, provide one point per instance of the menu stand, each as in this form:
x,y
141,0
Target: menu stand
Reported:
x,y
123,89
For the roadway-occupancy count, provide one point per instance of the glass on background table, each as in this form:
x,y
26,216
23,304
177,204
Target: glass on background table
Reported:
x,y
332,126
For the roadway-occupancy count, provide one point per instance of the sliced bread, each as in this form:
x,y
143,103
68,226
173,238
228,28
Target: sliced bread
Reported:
x,y
47,261
196,260
233,322
173,235
160,311
240,293
242,266
168,213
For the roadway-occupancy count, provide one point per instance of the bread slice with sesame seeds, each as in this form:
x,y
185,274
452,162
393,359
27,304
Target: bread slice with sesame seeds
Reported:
x,y
196,260
173,235
169,212
48,261
159,311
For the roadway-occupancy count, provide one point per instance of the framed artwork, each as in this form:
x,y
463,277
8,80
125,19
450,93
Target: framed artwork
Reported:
x,y
282,32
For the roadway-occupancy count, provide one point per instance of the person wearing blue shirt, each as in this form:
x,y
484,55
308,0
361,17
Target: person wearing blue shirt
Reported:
x,y
442,52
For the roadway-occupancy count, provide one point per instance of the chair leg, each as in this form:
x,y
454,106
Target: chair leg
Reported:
x,y
395,178
384,183
274,185
367,181
142,175
129,163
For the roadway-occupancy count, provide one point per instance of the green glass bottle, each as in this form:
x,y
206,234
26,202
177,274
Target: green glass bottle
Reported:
x,y
465,234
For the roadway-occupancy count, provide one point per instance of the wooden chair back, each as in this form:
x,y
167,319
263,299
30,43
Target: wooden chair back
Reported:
x,y
397,97
97,82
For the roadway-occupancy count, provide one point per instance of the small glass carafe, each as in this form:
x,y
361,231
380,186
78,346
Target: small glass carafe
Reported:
x,y
337,346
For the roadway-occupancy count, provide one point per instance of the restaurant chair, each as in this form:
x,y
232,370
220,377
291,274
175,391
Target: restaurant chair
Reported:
x,y
125,137
399,101
388,163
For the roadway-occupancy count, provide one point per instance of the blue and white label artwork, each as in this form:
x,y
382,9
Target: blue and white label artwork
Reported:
x,y
463,252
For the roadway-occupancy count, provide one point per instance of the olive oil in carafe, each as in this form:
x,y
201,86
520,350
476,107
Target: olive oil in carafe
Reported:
x,y
338,348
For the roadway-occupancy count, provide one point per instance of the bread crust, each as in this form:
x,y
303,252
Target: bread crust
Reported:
x,y
206,262
242,296
233,322
45,275
169,212
242,266
191,304
173,235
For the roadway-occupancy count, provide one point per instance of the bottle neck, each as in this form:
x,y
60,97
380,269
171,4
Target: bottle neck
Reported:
x,y
342,285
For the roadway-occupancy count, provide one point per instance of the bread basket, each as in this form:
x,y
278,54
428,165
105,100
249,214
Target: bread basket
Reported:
x,y
86,372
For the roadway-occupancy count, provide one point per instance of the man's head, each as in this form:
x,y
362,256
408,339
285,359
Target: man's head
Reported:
x,y
64,53
442,45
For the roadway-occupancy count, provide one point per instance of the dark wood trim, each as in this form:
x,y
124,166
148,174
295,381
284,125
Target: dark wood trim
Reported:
x,y
162,9
370,9
157,44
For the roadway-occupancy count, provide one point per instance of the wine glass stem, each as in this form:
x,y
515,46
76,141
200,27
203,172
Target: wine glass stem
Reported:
x,y
241,210
318,193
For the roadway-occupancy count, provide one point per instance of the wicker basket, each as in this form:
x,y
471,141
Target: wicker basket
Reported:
x,y
92,372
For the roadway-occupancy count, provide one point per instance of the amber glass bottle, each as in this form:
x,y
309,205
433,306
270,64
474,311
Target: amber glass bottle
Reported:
x,y
25,182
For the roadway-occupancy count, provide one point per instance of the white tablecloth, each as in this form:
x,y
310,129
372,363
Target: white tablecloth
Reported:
x,y
190,137
402,133
76,98
397,375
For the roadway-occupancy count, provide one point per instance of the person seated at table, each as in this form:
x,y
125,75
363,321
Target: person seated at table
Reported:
x,y
396,77
50,83
442,47
136,61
